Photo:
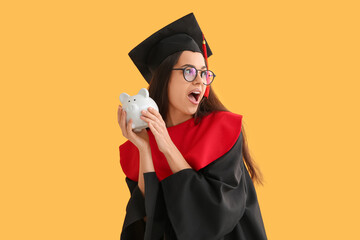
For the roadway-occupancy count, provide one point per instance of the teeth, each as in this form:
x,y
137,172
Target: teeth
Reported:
x,y
196,92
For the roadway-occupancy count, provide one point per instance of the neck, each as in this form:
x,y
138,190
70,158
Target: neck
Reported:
x,y
175,118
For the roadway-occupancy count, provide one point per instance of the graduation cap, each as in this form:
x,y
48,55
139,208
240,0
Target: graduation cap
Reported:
x,y
180,35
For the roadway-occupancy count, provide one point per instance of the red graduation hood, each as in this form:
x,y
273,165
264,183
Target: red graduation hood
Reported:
x,y
199,144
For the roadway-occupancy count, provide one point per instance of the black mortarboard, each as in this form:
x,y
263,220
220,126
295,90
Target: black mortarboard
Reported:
x,y
182,34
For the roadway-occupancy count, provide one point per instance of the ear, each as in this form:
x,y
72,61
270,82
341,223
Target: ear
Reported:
x,y
124,97
144,92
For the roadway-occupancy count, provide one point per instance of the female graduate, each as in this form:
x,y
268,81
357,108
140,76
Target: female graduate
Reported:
x,y
186,172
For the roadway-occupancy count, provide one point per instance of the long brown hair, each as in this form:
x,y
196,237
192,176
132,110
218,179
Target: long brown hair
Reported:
x,y
158,91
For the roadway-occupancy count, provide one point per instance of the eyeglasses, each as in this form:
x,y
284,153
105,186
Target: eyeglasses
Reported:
x,y
190,73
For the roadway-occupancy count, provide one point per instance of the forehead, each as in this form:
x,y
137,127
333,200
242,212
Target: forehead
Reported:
x,y
193,58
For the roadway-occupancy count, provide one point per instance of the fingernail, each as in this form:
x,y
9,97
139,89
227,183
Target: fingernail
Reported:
x,y
150,108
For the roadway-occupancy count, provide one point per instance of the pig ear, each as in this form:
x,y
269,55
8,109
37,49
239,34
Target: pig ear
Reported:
x,y
124,97
144,92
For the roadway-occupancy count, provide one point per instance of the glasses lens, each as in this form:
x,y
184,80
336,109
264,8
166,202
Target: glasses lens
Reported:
x,y
207,76
189,73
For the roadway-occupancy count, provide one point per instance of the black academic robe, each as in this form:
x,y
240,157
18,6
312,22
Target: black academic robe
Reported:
x,y
217,202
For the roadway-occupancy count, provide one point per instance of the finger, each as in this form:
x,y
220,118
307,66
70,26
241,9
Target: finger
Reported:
x,y
153,130
157,117
157,127
123,123
155,112
119,113
146,118
155,122
149,115
158,122
129,127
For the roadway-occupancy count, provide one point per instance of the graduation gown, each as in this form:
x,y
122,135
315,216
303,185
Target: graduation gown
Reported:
x,y
213,200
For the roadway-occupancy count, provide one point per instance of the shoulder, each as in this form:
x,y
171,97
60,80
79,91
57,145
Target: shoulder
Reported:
x,y
224,121
218,133
227,115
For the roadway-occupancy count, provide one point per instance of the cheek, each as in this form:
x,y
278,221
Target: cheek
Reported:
x,y
177,90
178,98
174,94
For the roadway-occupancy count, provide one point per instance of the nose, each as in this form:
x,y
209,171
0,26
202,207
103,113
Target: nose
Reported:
x,y
132,107
198,78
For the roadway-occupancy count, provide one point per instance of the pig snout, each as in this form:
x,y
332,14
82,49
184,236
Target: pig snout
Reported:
x,y
132,108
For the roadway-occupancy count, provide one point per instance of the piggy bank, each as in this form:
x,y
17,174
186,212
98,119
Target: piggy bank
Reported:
x,y
133,105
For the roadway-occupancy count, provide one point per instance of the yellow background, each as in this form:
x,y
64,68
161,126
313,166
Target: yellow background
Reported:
x,y
291,68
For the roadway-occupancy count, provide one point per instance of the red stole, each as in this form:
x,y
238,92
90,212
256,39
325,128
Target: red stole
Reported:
x,y
199,144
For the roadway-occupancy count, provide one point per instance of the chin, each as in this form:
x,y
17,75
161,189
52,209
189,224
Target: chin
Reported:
x,y
193,111
188,111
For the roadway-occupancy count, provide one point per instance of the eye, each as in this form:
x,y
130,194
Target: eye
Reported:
x,y
207,73
190,71
129,101
134,99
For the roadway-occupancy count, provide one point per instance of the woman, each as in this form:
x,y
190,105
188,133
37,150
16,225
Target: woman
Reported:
x,y
186,173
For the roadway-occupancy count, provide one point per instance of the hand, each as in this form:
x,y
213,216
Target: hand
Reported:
x,y
158,128
140,140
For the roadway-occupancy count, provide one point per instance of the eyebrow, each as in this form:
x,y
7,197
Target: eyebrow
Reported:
x,y
189,65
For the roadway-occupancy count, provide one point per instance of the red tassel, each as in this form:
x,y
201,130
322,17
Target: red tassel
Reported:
x,y
206,94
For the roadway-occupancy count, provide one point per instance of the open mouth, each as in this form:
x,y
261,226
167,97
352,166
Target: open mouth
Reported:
x,y
194,97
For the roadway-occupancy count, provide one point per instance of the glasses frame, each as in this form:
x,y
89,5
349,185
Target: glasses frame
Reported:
x,y
201,72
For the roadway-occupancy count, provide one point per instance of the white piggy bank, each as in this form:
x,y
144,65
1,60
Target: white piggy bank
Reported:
x,y
133,105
